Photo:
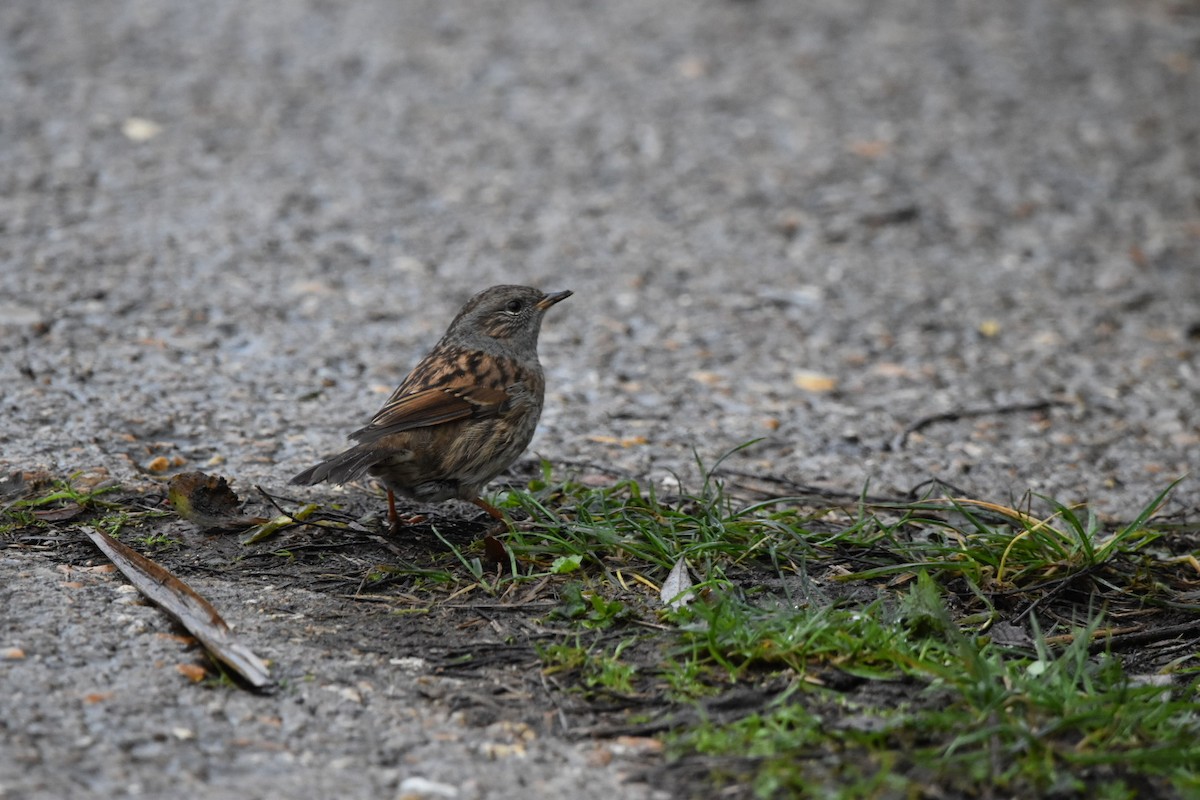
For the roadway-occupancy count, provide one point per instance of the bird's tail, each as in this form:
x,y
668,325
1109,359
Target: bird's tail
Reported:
x,y
343,467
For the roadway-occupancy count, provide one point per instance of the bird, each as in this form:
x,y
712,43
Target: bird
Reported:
x,y
463,414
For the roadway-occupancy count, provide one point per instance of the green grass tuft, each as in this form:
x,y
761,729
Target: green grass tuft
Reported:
x,y
948,642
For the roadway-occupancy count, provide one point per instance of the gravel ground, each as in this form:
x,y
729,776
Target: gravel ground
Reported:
x,y
229,229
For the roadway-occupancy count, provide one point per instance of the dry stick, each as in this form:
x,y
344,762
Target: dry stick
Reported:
x,y
804,490
271,500
901,439
186,606
553,697
1124,641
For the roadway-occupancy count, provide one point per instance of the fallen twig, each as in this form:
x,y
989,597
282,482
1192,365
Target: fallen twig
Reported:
x,y
192,611
901,439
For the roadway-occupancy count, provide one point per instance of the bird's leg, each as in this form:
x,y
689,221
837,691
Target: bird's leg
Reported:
x,y
395,521
492,511
503,523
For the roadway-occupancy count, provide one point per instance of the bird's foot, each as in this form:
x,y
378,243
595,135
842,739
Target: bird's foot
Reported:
x,y
395,521
407,521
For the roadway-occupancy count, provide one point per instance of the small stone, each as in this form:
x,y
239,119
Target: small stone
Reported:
x,y
422,788
410,663
138,129
990,328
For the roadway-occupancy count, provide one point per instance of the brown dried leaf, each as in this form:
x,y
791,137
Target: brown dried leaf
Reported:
x,y
193,672
92,480
494,550
627,441
69,511
207,502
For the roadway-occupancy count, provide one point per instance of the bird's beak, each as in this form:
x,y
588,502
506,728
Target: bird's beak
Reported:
x,y
551,299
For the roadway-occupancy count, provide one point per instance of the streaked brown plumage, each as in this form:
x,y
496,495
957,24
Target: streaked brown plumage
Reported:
x,y
464,413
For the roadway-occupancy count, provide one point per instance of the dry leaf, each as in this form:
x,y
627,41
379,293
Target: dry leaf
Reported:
x,y
193,672
494,550
676,589
69,511
186,641
628,441
92,480
207,502
814,381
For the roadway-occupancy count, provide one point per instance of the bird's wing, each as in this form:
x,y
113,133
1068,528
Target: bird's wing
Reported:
x,y
434,406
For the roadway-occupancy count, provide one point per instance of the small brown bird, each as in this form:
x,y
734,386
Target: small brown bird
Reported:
x,y
463,414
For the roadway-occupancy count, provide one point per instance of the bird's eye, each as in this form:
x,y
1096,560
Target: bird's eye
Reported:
x,y
513,307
